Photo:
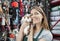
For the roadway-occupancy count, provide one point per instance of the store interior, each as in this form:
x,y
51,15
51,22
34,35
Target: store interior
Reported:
x,y
16,9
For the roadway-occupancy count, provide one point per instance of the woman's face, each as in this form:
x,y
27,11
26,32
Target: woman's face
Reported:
x,y
36,16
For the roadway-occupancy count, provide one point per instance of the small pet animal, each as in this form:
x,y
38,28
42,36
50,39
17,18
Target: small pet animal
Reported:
x,y
26,18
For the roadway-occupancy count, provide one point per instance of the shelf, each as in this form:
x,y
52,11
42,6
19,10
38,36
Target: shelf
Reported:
x,y
56,38
55,3
55,8
56,35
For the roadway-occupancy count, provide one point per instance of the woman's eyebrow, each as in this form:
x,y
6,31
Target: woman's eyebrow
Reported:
x,y
37,12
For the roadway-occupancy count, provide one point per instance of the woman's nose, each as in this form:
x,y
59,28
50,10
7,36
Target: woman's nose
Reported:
x,y
32,16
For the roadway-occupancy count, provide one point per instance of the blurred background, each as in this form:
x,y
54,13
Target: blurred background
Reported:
x,y
13,10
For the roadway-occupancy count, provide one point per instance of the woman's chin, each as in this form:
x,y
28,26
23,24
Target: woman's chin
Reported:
x,y
34,23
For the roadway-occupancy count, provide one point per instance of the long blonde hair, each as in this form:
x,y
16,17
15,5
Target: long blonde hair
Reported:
x,y
44,22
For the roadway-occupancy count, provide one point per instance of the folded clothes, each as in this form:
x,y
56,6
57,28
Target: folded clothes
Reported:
x,y
55,13
56,31
55,8
56,27
55,18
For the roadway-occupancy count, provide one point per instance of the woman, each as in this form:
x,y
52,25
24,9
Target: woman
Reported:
x,y
40,32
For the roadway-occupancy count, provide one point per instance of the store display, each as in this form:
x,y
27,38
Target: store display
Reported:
x,y
15,32
55,40
56,31
56,27
55,19
14,4
55,8
3,20
55,13
11,37
21,8
14,10
54,1
52,23
58,24
8,16
52,18
15,22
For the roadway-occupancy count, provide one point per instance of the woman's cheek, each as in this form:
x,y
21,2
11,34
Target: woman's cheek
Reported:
x,y
35,21
41,19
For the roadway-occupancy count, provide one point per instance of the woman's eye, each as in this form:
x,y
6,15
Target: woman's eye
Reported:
x,y
36,13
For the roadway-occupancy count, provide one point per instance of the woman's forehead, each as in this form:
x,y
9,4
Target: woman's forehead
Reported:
x,y
33,11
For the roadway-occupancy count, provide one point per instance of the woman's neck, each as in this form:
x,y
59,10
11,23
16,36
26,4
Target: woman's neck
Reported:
x,y
38,27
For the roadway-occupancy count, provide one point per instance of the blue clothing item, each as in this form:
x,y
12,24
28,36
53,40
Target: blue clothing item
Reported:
x,y
17,18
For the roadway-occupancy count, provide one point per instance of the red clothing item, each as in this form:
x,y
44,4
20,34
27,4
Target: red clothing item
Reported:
x,y
14,4
12,36
21,8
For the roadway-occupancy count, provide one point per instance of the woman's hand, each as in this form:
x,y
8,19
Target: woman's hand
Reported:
x,y
21,31
24,25
25,21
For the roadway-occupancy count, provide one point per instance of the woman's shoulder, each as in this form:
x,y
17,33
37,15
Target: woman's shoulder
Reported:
x,y
46,31
46,34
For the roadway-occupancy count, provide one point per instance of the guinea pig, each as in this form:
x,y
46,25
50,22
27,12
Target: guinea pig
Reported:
x,y
26,18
